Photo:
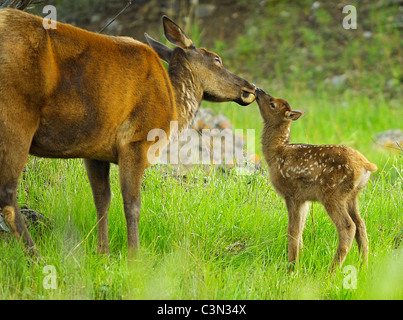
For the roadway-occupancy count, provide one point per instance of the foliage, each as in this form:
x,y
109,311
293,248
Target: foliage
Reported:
x,y
224,237
203,237
293,46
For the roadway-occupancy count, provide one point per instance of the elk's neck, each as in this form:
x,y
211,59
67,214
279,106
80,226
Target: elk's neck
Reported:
x,y
187,90
275,137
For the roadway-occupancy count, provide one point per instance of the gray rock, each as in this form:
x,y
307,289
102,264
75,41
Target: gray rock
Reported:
x,y
389,138
367,34
212,129
315,5
393,134
337,81
205,10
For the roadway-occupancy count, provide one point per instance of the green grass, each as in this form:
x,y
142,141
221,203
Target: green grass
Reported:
x,y
218,238
209,237
224,237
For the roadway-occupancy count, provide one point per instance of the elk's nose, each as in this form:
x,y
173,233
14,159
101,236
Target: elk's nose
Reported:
x,y
250,88
258,93
248,96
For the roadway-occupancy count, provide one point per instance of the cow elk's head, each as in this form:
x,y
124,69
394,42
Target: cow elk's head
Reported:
x,y
217,83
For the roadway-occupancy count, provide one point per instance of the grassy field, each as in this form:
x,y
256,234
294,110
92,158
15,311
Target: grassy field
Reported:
x,y
210,237
224,236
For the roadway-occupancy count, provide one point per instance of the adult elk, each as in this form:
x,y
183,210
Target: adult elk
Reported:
x,y
70,93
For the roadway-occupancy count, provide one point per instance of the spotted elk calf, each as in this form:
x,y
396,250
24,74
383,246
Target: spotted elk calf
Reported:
x,y
331,174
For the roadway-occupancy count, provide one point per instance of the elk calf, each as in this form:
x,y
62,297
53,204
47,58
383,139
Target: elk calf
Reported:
x,y
330,174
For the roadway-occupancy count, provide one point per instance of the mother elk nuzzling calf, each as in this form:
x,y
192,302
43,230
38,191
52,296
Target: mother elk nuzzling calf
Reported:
x,y
70,93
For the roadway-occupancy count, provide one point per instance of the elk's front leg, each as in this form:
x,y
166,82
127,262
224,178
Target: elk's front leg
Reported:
x,y
132,163
98,174
297,211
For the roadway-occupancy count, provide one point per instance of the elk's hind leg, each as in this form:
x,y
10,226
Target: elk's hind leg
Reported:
x,y
361,231
337,211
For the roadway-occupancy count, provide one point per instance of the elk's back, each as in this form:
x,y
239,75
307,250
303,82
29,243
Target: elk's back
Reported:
x,y
87,92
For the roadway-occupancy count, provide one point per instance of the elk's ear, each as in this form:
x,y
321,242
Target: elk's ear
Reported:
x,y
163,51
176,35
294,114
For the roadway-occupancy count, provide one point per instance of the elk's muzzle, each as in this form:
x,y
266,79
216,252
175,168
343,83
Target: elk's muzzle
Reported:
x,y
248,95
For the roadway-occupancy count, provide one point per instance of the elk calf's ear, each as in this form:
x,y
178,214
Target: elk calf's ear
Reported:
x,y
162,50
176,35
294,114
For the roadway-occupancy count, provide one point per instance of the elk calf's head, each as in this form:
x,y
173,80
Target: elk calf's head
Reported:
x,y
215,82
275,111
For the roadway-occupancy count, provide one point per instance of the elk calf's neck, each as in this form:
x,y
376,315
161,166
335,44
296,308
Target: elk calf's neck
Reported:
x,y
330,174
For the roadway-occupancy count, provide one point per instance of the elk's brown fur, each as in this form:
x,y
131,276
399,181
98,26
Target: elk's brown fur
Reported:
x,y
70,93
300,173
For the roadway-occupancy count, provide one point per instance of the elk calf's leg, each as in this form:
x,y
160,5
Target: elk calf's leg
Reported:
x,y
304,209
361,232
346,229
98,174
297,211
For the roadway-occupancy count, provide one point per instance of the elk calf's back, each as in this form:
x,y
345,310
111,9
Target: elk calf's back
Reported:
x,y
330,174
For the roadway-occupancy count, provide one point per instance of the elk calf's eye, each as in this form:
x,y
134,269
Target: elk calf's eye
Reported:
x,y
272,105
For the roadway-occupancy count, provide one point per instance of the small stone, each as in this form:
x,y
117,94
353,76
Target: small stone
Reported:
x,y
390,139
337,81
205,10
367,34
315,5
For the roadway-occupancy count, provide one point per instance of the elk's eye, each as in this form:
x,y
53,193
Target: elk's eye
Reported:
x,y
217,59
272,105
